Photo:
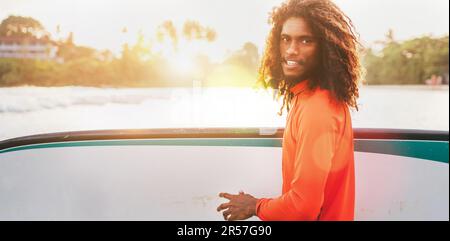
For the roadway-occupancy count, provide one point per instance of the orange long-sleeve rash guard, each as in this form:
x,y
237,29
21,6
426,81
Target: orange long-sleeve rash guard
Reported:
x,y
317,161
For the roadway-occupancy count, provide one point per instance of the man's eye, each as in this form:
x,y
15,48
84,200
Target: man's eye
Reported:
x,y
306,41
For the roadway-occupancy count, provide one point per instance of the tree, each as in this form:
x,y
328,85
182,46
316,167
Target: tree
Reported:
x,y
167,28
22,27
408,62
247,57
69,51
194,30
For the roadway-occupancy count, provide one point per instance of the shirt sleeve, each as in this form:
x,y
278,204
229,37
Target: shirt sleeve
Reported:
x,y
315,149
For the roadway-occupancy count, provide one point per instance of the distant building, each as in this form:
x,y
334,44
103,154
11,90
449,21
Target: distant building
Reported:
x,y
27,48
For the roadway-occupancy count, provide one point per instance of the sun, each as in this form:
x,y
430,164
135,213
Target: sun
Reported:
x,y
182,62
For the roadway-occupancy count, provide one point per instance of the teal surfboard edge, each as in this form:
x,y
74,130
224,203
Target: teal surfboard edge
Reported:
x,y
428,150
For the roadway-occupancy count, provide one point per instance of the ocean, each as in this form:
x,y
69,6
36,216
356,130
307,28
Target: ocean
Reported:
x,y
32,110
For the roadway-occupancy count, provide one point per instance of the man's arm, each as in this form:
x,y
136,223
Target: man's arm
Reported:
x,y
314,152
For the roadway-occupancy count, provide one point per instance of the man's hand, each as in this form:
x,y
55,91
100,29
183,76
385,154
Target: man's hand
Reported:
x,y
240,207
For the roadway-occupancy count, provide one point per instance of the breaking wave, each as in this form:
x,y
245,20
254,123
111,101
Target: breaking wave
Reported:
x,y
28,99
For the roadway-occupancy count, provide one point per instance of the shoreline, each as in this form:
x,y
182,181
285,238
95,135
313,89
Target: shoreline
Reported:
x,y
412,87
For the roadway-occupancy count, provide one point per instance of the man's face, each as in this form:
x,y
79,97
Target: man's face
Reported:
x,y
299,49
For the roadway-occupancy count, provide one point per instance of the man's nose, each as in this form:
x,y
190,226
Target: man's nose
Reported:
x,y
292,49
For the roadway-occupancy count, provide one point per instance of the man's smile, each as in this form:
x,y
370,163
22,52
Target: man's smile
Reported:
x,y
292,64
291,61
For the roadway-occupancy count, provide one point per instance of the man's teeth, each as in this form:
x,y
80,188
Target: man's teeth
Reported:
x,y
291,62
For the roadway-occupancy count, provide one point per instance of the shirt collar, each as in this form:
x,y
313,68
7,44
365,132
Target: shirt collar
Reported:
x,y
299,87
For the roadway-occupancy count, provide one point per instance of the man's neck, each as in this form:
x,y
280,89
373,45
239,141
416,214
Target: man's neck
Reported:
x,y
294,82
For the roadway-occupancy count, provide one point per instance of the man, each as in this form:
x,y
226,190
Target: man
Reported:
x,y
311,57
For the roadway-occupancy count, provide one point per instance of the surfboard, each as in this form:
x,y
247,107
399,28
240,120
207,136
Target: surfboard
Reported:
x,y
176,174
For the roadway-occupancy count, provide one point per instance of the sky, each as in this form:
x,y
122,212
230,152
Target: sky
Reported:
x,y
98,23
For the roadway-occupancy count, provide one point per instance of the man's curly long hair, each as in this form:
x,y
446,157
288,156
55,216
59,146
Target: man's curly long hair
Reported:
x,y
339,64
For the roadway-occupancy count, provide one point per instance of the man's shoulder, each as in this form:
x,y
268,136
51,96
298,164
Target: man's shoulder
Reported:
x,y
323,101
321,108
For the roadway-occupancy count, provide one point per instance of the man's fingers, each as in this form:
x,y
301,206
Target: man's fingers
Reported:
x,y
226,195
223,206
226,213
